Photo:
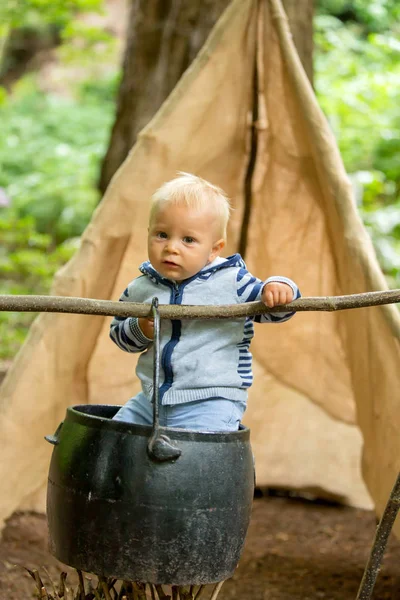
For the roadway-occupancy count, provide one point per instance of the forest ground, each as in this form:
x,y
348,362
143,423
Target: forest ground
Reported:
x,y
295,549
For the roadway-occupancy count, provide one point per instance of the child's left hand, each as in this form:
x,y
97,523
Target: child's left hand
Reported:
x,y
275,293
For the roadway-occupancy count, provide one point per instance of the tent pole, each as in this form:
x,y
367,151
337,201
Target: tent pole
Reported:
x,y
380,541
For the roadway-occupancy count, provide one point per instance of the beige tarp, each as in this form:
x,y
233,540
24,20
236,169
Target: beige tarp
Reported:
x,y
326,391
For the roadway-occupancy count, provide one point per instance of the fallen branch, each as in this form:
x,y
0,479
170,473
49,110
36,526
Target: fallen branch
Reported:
x,y
88,306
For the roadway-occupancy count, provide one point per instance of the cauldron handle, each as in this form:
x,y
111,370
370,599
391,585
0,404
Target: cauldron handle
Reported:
x,y
53,439
160,447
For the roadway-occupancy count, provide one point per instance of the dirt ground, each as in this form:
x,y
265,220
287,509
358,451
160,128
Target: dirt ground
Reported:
x,y
295,549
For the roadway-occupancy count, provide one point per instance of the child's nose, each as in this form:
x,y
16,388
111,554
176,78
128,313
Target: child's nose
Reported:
x,y
171,245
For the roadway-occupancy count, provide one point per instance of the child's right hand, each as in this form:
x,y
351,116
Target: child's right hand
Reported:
x,y
275,293
147,327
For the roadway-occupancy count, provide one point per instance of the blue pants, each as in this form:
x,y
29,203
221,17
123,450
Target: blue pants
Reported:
x,y
213,414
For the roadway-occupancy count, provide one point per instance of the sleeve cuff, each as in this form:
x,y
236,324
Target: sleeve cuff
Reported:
x,y
137,332
289,282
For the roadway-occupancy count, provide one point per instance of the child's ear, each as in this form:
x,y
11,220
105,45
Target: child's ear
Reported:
x,y
216,249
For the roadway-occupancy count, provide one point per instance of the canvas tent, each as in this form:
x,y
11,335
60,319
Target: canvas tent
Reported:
x,y
325,398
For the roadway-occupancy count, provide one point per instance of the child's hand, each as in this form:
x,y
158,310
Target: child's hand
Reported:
x,y
147,327
275,293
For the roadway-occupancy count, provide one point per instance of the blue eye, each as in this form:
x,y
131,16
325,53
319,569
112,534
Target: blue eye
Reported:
x,y
162,235
188,240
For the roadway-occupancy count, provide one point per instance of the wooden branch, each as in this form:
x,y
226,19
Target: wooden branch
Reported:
x,y
200,592
161,594
140,589
88,306
104,586
81,585
152,590
380,542
216,590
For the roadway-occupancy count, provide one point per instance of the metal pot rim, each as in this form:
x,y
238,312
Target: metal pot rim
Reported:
x,y
85,414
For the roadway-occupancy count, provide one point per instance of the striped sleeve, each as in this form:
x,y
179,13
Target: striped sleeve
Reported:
x,y
249,289
126,333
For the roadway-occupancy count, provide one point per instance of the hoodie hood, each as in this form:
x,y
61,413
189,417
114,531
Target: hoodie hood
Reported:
x,y
218,263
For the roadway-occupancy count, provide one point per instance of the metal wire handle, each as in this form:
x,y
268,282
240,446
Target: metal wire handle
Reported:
x,y
156,363
160,447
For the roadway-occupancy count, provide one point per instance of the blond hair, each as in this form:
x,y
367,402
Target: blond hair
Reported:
x,y
193,192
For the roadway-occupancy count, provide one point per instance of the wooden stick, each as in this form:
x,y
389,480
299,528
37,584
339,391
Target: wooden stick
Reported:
x,y
380,541
38,580
105,588
88,306
127,588
122,591
39,583
111,581
140,589
69,593
61,585
96,593
152,591
161,593
216,590
175,592
43,593
90,593
55,594
81,585
200,592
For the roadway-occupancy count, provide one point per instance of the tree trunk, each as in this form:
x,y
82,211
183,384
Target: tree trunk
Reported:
x,y
163,38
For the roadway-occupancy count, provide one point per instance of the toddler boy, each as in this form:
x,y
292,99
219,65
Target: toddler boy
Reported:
x,y
205,366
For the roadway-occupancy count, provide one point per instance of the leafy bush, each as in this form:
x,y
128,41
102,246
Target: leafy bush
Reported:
x,y
50,164
50,148
38,12
375,15
357,76
28,262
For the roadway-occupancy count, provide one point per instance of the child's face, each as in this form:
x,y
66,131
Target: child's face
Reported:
x,y
182,241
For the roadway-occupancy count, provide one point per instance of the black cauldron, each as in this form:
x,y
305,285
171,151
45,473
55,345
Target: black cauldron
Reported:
x,y
149,504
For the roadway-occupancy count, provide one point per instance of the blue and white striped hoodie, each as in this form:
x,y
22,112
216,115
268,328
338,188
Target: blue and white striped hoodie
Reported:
x,y
200,359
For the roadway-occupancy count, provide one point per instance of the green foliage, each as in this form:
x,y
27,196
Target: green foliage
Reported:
x,y
86,46
49,165
357,76
28,262
51,20
361,95
50,149
3,96
374,15
17,13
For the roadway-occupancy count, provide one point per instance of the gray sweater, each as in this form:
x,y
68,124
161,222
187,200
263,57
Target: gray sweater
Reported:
x,y
200,359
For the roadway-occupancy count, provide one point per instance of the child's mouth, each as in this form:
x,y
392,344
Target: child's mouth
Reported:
x,y
170,263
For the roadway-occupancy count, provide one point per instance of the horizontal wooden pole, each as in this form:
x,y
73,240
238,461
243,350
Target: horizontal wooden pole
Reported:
x,y
88,306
